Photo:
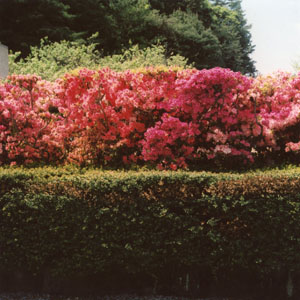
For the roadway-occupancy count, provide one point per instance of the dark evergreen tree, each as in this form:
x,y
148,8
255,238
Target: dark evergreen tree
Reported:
x,y
91,16
223,21
187,35
120,23
230,15
208,33
220,2
247,47
137,22
200,7
25,22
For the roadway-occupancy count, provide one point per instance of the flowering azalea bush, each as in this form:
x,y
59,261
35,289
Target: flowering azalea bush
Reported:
x,y
105,114
166,117
26,121
210,117
278,109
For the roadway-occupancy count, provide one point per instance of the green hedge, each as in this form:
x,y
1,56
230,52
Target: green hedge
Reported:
x,y
170,230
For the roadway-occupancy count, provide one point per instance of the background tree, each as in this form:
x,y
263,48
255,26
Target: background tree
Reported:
x,y
221,30
207,33
25,22
119,22
244,35
186,34
90,16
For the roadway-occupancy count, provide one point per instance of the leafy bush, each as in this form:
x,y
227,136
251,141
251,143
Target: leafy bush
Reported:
x,y
155,225
53,59
135,58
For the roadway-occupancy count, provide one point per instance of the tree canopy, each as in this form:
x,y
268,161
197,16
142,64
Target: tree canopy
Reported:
x,y
25,22
208,33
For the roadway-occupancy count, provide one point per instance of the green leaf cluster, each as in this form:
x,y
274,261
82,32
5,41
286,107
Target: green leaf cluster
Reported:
x,y
206,33
51,60
155,227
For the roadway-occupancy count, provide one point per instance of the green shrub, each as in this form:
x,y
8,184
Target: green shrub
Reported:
x,y
161,224
53,59
135,58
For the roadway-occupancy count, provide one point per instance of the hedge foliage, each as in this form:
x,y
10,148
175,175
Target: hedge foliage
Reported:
x,y
162,225
52,60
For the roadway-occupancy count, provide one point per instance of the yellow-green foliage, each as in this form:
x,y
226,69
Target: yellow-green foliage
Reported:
x,y
52,60
135,58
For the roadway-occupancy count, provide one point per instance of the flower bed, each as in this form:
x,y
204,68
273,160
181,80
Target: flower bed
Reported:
x,y
163,118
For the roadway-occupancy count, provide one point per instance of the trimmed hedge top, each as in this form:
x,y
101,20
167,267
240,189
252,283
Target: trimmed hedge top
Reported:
x,y
162,224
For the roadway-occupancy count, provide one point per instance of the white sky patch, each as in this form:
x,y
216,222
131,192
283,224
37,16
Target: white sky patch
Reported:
x,y
297,27
275,33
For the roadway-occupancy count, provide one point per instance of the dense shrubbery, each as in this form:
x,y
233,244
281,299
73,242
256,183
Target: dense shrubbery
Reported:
x,y
52,60
163,117
155,226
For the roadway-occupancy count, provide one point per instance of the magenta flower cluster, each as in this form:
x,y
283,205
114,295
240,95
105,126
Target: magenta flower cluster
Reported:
x,y
168,118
